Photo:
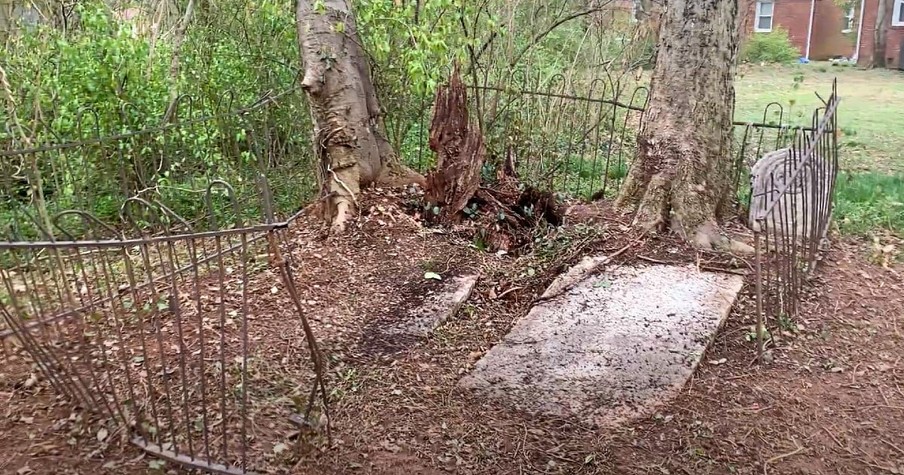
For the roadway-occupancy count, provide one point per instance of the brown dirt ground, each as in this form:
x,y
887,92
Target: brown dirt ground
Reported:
x,y
830,401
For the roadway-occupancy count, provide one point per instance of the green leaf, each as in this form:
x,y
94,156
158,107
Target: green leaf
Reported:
x,y
432,276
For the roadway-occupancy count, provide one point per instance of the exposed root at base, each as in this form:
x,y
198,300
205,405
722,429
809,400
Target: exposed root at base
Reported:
x,y
708,236
342,205
653,210
655,214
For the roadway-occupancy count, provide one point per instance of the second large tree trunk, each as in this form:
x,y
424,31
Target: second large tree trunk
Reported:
x,y
681,173
348,140
880,34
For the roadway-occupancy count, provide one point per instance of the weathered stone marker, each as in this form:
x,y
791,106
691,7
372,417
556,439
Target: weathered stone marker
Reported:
x,y
437,308
805,207
611,347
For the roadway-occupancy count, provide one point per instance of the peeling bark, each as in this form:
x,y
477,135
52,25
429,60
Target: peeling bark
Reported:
x,y
682,171
353,151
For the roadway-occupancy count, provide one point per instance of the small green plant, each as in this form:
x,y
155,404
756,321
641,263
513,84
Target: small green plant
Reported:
x,y
751,334
786,323
471,211
772,47
865,202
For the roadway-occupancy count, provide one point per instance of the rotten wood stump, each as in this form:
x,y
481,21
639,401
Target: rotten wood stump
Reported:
x,y
460,153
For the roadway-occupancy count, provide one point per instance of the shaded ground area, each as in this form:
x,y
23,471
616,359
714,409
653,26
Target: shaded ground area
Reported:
x,y
831,401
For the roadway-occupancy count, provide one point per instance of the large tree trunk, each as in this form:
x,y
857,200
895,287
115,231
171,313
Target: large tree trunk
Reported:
x,y
880,34
352,150
682,170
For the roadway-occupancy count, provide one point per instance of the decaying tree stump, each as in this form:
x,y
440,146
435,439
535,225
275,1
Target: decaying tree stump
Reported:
x,y
502,214
460,153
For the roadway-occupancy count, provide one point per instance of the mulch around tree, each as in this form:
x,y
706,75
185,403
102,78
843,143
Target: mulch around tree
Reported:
x,y
830,399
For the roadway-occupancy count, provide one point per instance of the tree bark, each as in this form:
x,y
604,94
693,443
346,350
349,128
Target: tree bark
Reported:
x,y
880,34
352,150
682,170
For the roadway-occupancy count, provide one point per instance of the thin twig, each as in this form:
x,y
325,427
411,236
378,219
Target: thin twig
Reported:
x,y
655,261
503,294
782,456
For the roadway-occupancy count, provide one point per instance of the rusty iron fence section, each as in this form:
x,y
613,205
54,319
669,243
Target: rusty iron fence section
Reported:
x,y
155,332
791,197
579,139
147,318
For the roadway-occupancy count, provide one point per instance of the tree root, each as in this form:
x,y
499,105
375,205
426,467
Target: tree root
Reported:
x,y
654,213
653,210
708,236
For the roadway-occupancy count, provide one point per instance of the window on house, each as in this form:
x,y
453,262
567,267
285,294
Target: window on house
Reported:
x,y
764,16
848,21
897,18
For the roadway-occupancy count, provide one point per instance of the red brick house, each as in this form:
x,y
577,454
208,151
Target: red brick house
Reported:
x,y
894,38
821,29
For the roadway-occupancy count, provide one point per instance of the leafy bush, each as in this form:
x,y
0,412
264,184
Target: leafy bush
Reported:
x,y
104,77
772,47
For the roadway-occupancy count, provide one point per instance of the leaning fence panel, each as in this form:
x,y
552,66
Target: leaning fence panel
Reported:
x,y
148,309
792,192
157,334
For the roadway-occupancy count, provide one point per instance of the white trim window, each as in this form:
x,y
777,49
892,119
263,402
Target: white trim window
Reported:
x,y
764,13
848,21
897,15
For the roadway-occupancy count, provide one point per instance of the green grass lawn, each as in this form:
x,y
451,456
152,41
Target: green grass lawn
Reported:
x,y
870,194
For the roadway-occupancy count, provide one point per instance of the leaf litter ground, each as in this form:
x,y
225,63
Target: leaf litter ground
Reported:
x,y
831,399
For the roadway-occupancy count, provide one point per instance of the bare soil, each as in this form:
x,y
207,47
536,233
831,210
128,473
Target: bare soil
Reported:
x,y
830,399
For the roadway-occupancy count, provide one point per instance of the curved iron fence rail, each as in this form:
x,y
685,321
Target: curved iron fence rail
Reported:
x,y
579,140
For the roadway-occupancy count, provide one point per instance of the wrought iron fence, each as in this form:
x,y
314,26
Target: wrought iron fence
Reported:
x,y
792,192
151,318
142,310
579,139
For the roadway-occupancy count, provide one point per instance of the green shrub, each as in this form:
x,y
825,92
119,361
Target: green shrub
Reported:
x,y
772,47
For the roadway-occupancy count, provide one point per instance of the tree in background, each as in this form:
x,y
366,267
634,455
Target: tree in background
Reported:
x,y
349,144
681,175
880,34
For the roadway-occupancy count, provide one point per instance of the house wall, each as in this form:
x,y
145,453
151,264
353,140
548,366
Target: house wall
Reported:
x,y
893,43
828,39
793,16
